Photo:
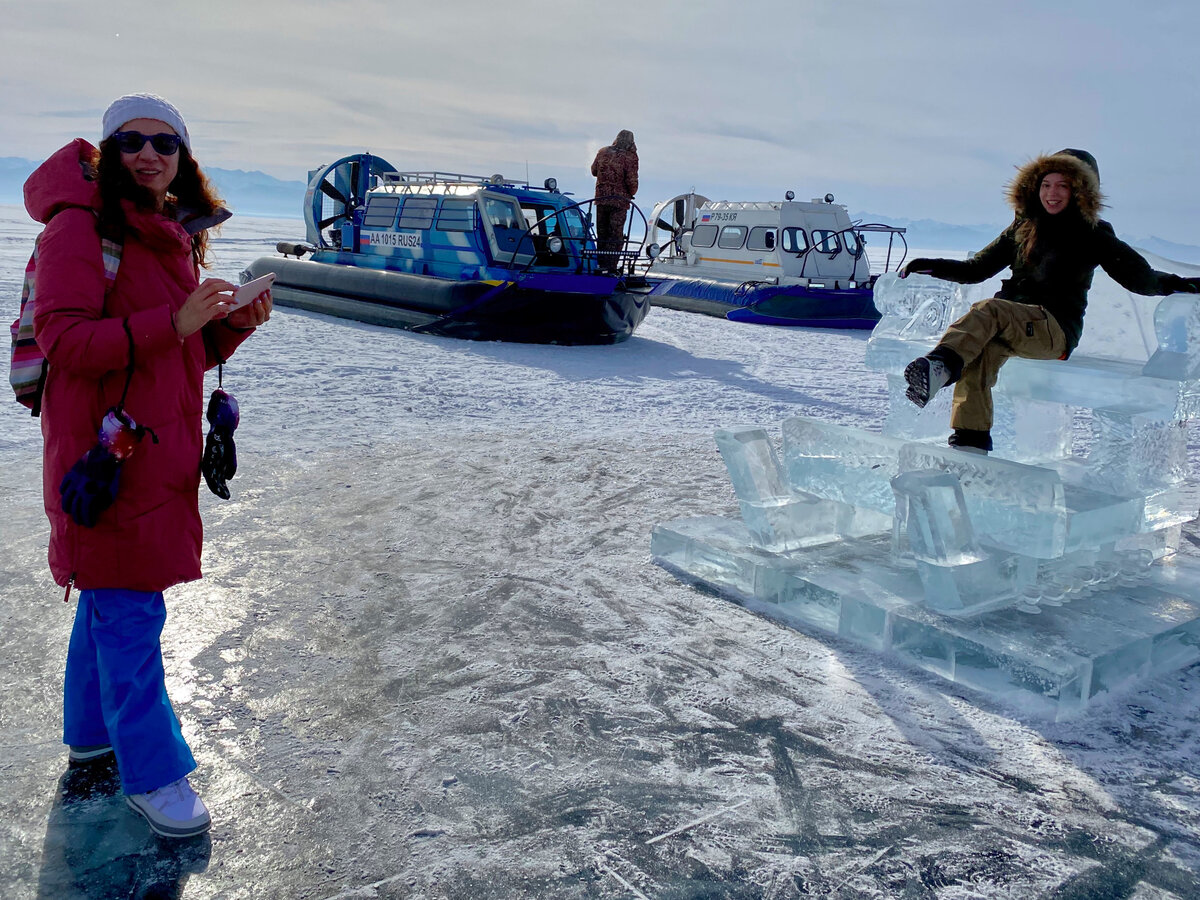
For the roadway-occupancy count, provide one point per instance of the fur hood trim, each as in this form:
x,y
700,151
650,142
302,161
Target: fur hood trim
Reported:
x,y
1022,191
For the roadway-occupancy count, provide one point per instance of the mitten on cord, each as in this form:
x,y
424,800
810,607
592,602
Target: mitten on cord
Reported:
x,y
91,485
220,454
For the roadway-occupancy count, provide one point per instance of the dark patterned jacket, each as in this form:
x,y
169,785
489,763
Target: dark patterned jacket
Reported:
x,y
616,171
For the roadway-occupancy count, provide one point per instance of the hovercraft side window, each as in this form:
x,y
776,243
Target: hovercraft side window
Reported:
x,y
761,238
381,211
794,240
732,237
504,214
573,219
505,226
544,222
853,246
541,218
456,215
704,236
417,212
826,241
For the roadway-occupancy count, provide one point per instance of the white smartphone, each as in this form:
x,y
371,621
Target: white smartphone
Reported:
x,y
251,289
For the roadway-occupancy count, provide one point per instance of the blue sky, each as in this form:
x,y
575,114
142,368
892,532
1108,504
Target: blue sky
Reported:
x,y
918,109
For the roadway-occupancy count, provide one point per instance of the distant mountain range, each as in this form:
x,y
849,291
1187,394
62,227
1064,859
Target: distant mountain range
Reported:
x,y
258,194
926,234
246,193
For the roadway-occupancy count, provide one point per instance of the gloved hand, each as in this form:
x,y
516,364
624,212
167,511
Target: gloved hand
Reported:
x,y
90,487
220,455
919,266
1176,284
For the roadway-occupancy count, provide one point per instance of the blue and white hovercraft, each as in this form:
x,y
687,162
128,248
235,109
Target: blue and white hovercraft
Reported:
x,y
482,258
776,263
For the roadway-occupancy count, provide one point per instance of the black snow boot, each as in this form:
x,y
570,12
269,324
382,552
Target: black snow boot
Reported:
x,y
971,440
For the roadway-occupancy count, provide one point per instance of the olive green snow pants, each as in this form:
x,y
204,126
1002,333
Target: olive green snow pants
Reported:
x,y
992,331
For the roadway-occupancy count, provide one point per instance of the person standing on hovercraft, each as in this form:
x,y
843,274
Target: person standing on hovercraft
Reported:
x,y
616,171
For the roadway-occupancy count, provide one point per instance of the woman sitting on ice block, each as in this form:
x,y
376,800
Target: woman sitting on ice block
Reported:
x,y
1053,246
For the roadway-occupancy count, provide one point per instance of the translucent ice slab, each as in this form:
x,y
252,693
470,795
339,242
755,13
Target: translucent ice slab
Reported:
x,y
1089,382
931,509
841,463
753,466
915,312
905,420
1051,664
959,577
1134,452
778,518
1177,326
1027,509
917,308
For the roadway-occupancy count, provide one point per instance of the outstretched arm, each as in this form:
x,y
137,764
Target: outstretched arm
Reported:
x,y
1130,270
982,266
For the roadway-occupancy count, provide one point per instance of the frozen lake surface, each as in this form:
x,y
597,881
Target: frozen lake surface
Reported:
x,y
431,656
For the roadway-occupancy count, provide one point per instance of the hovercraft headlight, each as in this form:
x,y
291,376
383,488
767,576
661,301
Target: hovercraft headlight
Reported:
x,y
551,184
554,243
653,251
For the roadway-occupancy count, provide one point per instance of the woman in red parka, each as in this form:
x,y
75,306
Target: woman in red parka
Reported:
x,y
142,343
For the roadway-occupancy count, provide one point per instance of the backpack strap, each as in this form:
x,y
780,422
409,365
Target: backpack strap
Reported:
x,y
27,364
111,253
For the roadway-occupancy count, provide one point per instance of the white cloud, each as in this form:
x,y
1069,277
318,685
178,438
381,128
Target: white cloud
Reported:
x,y
918,109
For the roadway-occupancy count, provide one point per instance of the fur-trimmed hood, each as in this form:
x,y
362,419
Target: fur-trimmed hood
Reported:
x,y
1085,185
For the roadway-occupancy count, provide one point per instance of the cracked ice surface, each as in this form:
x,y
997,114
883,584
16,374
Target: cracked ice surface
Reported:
x,y
431,658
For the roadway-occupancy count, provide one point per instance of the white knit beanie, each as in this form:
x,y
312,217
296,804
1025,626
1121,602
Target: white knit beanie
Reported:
x,y
143,106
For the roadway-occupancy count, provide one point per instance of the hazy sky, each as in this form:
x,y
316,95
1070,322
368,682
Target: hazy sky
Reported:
x,y
918,109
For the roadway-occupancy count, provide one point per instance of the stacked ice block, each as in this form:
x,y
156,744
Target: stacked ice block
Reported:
x,y
1038,572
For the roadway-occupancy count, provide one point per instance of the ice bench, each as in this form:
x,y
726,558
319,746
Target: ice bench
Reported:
x,y
1014,507
1137,369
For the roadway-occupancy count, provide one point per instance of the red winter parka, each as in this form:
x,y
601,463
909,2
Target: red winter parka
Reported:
x,y
150,538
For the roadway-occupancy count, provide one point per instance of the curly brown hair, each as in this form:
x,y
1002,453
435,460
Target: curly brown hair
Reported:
x,y
190,190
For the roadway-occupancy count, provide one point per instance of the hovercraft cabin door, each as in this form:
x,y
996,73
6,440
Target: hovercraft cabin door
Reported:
x,y
506,229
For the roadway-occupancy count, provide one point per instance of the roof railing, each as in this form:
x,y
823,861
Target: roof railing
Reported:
x,y
739,204
417,180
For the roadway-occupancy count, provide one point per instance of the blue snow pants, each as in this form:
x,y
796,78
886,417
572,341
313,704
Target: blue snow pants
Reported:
x,y
114,690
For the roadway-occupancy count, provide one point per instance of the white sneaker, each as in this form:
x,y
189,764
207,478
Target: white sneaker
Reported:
x,y
925,378
172,811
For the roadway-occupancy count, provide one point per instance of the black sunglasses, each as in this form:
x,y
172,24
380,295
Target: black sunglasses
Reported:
x,y
133,142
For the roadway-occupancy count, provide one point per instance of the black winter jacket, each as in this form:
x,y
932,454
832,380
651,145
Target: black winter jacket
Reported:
x,y
1058,272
